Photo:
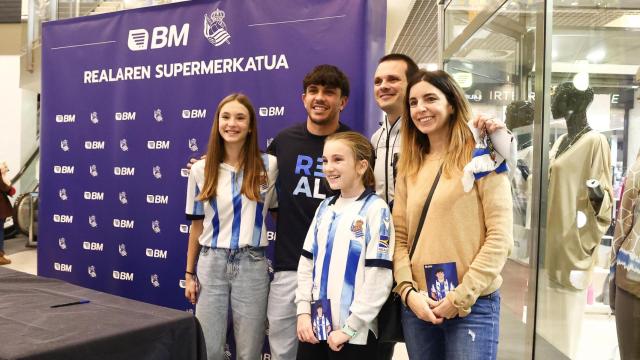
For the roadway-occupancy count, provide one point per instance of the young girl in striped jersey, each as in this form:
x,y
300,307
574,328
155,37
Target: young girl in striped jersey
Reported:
x,y
228,195
346,257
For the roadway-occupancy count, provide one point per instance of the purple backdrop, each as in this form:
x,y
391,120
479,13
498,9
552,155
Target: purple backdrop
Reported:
x,y
129,97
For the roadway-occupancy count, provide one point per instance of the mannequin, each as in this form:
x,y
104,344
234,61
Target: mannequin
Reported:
x,y
577,217
625,297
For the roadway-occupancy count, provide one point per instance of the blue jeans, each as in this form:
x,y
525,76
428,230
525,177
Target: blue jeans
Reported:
x,y
474,337
240,278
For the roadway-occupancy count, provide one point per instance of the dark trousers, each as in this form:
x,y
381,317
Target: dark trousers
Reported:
x,y
385,350
321,351
628,324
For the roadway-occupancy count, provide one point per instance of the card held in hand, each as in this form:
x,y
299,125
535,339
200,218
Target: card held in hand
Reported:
x,y
321,319
441,278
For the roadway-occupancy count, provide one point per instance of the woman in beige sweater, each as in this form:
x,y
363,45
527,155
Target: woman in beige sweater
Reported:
x,y
450,284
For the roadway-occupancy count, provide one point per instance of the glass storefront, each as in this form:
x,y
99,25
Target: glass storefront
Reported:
x,y
563,76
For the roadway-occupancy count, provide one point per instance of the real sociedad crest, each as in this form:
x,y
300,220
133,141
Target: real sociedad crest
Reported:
x,y
122,196
193,145
215,30
93,170
92,271
122,249
63,194
62,243
155,225
154,280
64,145
156,172
123,145
94,117
356,228
92,221
157,115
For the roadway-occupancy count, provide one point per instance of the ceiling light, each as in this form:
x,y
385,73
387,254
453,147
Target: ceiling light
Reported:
x,y
432,67
596,56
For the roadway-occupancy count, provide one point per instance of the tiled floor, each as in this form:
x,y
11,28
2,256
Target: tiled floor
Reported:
x,y
598,335
22,258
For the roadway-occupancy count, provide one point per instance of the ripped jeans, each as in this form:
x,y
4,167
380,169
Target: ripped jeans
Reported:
x,y
474,337
238,278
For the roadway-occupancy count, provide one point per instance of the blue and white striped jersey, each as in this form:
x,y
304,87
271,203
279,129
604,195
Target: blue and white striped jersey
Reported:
x,y
346,258
320,326
231,221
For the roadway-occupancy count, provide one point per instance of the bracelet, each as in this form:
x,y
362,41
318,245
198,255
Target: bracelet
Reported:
x,y
348,330
190,273
406,296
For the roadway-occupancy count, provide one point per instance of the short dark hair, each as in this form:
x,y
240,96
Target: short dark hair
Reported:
x,y
438,270
412,67
328,76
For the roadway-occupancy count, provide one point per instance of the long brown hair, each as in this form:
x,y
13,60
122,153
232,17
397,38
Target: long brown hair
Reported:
x,y
362,150
251,165
415,144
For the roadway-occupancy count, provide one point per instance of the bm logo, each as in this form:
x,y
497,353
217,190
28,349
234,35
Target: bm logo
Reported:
x,y
93,246
66,118
194,113
123,224
158,144
122,275
62,267
158,199
124,171
271,111
93,195
125,115
161,36
58,169
65,219
156,253
94,145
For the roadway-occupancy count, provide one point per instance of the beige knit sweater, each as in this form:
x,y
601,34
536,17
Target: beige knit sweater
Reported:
x,y
472,229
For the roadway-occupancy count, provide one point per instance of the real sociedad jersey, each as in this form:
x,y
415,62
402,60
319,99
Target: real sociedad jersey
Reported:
x,y
347,258
321,325
231,220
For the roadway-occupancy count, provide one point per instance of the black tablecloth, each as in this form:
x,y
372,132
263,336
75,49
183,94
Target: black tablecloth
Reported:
x,y
109,327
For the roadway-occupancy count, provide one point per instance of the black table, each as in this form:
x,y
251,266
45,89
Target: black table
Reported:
x,y
109,327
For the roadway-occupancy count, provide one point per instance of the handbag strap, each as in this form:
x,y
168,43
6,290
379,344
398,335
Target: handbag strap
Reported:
x,y
424,213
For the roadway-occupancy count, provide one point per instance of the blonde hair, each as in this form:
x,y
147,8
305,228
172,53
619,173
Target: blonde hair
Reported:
x,y
415,144
362,150
251,163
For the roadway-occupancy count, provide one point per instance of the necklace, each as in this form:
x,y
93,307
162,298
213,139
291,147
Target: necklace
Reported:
x,y
562,150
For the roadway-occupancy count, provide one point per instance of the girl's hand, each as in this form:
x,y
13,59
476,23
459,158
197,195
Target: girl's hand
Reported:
x,y
337,339
305,330
191,289
419,305
445,310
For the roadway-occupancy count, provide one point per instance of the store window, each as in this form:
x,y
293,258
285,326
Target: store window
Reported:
x,y
564,77
494,66
593,139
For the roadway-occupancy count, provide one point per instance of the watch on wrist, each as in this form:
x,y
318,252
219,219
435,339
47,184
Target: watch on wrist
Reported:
x,y
348,330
